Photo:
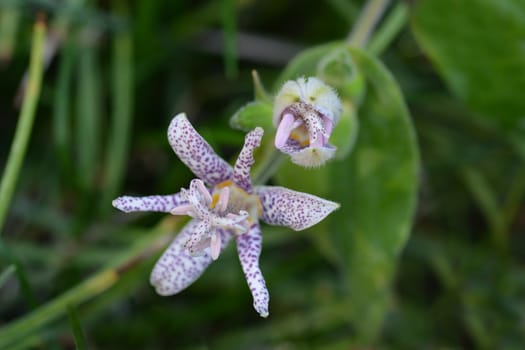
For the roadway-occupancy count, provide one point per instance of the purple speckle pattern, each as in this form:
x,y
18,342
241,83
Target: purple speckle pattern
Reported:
x,y
196,153
190,252
249,247
291,146
241,170
297,210
162,204
177,268
201,231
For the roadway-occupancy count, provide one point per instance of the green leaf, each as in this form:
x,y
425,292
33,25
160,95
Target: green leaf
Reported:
x,y
251,115
477,45
345,133
338,69
377,188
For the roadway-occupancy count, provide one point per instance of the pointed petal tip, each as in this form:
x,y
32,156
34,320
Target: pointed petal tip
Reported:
x,y
120,204
161,285
262,310
115,203
296,210
255,135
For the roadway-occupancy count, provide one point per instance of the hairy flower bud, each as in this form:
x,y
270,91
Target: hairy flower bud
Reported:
x,y
305,113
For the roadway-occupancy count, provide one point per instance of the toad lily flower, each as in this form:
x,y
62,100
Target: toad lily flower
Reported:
x,y
305,112
224,206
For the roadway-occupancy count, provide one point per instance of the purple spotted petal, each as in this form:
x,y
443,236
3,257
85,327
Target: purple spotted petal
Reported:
x,y
196,199
199,232
196,153
177,269
297,210
249,246
163,204
241,171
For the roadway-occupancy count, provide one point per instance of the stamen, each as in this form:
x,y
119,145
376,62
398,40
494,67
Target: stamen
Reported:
x,y
215,246
203,191
284,130
224,197
185,209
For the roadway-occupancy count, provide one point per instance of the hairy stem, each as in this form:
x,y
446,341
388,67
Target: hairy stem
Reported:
x,y
366,22
389,29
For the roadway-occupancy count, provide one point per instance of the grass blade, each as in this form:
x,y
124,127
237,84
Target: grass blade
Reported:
x,y
9,22
122,96
230,38
78,334
25,123
62,106
88,117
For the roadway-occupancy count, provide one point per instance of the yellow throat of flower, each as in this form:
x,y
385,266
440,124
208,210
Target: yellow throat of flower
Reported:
x,y
239,200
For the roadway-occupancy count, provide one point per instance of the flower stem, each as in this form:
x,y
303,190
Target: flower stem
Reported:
x,y
25,123
269,166
366,22
391,26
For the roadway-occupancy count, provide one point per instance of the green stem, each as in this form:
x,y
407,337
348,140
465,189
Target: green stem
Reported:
x,y
366,22
25,124
269,166
389,29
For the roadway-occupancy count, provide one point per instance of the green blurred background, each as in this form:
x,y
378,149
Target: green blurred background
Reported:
x,y
74,271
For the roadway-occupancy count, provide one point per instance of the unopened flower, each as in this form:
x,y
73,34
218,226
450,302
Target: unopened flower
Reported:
x,y
305,113
224,205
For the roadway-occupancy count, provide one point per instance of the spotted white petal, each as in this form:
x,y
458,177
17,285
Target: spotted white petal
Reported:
x,y
177,268
241,171
249,247
297,210
201,231
196,153
164,204
196,198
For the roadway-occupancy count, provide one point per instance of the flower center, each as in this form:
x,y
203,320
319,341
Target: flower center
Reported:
x,y
239,200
